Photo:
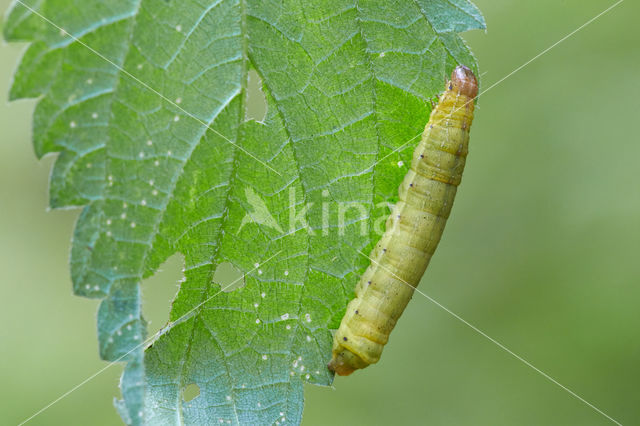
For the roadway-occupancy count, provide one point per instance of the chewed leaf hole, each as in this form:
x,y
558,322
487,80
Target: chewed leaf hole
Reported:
x,y
256,105
160,290
190,392
228,277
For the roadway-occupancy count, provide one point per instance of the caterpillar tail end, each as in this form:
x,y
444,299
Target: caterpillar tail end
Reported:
x,y
346,362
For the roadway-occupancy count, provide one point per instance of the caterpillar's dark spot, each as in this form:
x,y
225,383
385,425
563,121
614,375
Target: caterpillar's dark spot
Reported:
x,y
384,250
421,155
451,87
411,184
369,282
356,309
344,338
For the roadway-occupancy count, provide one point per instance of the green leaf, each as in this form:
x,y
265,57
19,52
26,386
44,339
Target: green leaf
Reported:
x,y
144,103
447,16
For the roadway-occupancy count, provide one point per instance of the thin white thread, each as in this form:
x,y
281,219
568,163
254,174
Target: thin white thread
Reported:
x,y
491,339
146,343
146,86
581,27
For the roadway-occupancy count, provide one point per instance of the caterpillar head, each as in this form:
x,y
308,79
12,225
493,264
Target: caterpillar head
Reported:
x,y
464,82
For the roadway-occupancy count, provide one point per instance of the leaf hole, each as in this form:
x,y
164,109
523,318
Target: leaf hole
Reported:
x,y
190,392
160,290
256,102
228,277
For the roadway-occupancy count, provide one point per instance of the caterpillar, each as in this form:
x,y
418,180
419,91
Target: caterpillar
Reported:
x,y
413,229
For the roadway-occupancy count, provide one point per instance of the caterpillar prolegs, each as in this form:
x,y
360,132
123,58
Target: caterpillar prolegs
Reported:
x,y
413,229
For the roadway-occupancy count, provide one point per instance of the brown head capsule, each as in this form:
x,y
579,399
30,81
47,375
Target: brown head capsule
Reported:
x,y
464,82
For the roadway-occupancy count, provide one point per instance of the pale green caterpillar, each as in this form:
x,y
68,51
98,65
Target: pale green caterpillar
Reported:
x,y
413,229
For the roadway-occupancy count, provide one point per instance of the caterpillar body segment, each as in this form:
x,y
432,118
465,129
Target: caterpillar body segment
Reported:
x,y
413,229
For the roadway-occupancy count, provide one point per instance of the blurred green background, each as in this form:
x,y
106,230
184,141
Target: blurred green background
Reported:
x,y
541,252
